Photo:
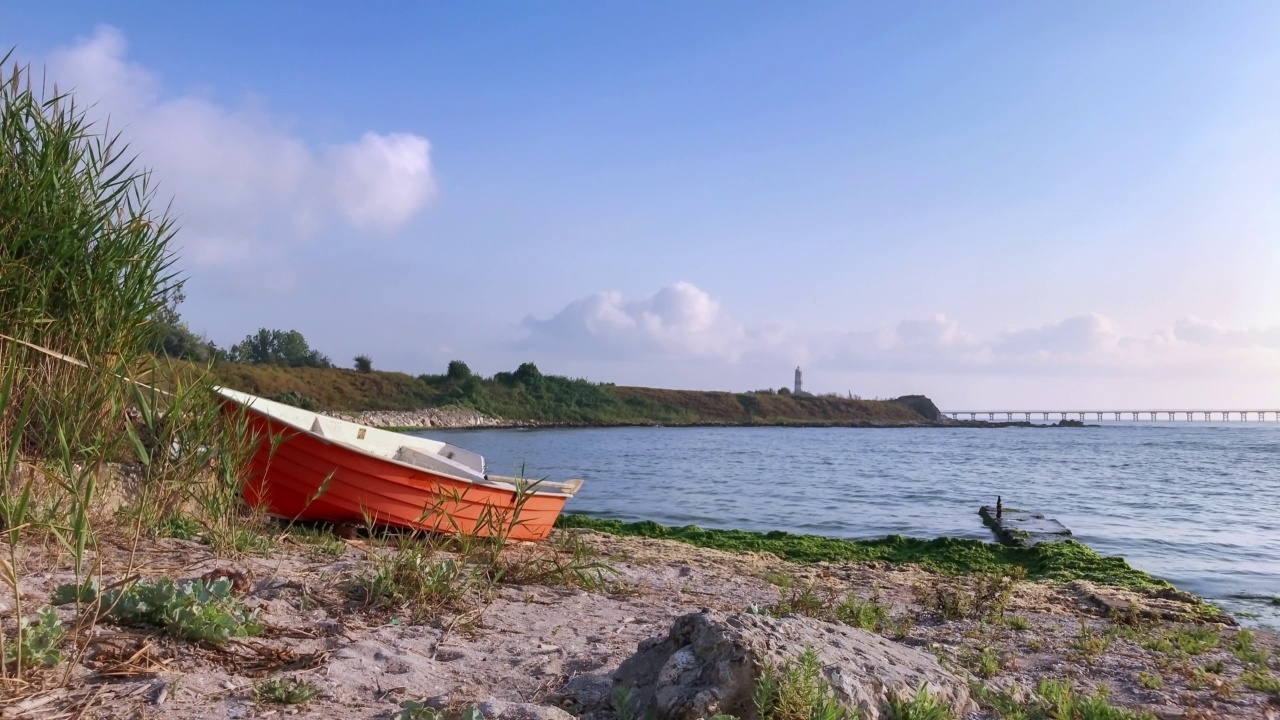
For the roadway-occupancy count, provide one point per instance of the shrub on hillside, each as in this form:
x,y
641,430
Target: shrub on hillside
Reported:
x,y
458,370
364,363
287,348
296,399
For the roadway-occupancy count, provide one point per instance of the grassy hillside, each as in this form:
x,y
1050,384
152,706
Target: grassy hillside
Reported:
x,y
528,395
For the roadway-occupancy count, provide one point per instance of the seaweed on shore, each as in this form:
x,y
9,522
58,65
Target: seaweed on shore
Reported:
x,y
1058,562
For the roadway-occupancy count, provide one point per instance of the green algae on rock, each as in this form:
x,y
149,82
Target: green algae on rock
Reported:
x,y
1059,562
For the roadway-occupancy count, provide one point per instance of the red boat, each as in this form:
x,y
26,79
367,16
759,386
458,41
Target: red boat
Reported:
x,y
309,466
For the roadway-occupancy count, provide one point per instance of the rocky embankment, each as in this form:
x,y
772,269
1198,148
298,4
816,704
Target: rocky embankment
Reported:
x,y
447,417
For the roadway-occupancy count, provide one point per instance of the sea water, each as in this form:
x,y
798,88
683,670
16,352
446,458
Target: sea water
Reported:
x,y
1197,504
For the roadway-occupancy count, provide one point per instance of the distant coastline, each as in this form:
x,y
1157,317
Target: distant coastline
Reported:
x,y
526,398
463,419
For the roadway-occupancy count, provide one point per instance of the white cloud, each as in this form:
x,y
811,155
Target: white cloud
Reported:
x,y
682,321
244,185
1200,332
679,320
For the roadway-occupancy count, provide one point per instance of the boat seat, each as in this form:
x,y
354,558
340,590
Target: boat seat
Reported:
x,y
336,429
416,457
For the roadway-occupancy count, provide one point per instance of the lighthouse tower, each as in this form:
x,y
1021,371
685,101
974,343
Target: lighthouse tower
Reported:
x,y
799,383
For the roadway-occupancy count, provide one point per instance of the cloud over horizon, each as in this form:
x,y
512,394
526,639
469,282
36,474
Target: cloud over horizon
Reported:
x,y
683,322
245,185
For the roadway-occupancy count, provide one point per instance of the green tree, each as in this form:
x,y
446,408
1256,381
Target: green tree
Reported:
x,y
458,370
277,347
364,363
528,374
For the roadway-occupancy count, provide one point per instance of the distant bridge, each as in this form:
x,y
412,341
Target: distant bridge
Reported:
x,y
1130,415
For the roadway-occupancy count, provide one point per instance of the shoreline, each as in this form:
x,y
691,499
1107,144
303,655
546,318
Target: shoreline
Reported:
x,y
553,646
455,418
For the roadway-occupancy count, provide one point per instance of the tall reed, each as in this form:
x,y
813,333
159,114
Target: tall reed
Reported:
x,y
85,265
85,261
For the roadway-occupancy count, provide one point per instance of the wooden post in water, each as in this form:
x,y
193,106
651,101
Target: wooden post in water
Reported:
x,y
999,508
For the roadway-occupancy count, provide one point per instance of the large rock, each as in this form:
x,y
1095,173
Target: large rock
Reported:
x,y
499,710
923,406
709,663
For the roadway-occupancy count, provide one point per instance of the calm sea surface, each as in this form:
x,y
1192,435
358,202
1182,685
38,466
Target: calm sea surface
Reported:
x,y
1195,503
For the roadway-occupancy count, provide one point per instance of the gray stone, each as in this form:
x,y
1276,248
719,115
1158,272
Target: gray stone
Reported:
x,y
502,710
1020,528
709,662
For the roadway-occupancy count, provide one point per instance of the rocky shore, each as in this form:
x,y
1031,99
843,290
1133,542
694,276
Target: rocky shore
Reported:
x,y
665,630
446,418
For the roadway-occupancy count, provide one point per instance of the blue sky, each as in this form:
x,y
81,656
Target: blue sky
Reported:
x,y
1027,204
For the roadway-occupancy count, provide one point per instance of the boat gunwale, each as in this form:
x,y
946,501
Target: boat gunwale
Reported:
x,y
496,484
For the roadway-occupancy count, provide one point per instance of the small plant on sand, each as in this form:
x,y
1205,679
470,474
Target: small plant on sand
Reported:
x,y
180,526
1261,681
781,579
1017,622
320,539
1245,647
921,706
801,600
40,640
1150,681
1059,699
198,610
798,691
410,578
985,662
285,691
806,600
1089,644
984,597
418,710
623,702
1183,642
900,627
563,559
869,615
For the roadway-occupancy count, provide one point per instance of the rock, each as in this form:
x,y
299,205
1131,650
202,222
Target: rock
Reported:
x,y
1165,604
709,662
449,417
1020,528
923,406
501,710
